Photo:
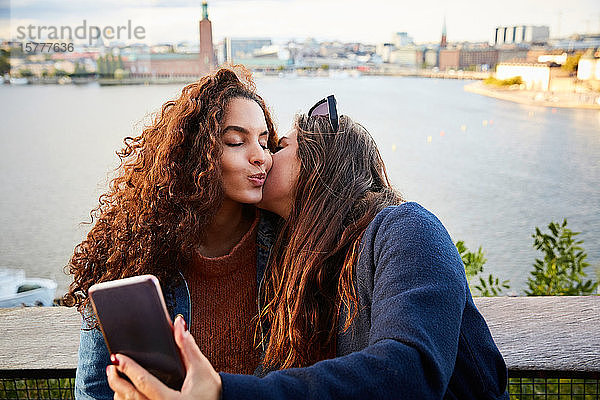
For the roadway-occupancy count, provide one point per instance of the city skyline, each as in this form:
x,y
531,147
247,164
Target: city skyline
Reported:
x,y
281,20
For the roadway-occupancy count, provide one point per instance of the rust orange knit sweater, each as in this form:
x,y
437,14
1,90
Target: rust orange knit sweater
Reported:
x,y
223,293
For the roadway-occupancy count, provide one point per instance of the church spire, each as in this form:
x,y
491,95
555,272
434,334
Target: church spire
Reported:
x,y
444,43
444,26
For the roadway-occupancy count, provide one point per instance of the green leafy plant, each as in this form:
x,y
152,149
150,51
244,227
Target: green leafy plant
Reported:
x,y
572,62
474,262
560,272
516,80
25,73
4,61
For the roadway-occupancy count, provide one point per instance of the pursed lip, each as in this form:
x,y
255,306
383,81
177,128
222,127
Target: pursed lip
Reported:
x,y
258,179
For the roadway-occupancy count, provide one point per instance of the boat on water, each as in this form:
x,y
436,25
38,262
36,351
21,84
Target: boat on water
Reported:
x,y
19,81
16,290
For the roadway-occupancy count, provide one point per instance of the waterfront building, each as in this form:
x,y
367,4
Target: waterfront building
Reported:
x,y
534,76
576,42
235,50
478,57
588,68
430,57
405,56
163,62
512,54
401,39
521,34
384,50
400,51
254,53
427,56
449,59
167,65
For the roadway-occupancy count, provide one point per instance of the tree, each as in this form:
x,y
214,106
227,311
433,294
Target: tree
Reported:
x,y
110,65
101,66
560,272
25,73
572,63
474,262
4,62
79,70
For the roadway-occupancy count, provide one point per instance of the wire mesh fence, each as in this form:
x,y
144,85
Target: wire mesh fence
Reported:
x,y
553,388
52,385
60,385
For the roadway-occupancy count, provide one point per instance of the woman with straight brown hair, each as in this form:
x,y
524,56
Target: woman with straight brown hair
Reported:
x,y
365,297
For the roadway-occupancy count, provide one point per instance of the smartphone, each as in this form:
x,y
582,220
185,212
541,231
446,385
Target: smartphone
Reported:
x,y
135,322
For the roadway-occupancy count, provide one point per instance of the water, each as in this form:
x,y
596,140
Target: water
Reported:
x,y
492,171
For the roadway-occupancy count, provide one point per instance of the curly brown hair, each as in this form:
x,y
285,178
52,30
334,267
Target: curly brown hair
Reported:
x,y
167,188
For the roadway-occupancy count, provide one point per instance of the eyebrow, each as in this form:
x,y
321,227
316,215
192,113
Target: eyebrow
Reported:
x,y
241,129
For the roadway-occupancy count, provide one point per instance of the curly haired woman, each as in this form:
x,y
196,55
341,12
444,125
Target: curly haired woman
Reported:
x,y
366,293
182,208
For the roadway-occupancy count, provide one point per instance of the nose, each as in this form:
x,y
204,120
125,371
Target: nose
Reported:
x,y
259,155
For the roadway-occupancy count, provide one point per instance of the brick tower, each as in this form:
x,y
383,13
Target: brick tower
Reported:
x,y
207,52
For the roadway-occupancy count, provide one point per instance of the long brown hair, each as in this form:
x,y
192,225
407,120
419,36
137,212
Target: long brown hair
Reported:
x,y
341,187
167,189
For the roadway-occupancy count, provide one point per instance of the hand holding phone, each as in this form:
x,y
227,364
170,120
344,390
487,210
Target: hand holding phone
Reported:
x,y
134,321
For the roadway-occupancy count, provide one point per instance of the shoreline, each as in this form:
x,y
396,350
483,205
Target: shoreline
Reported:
x,y
330,73
534,98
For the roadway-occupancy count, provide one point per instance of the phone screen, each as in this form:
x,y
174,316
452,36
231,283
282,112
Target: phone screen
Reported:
x,y
134,321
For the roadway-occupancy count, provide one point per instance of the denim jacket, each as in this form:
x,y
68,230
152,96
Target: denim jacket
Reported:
x,y
90,380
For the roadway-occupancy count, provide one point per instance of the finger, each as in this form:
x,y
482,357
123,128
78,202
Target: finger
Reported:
x,y
190,352
122,388
144,381
201,377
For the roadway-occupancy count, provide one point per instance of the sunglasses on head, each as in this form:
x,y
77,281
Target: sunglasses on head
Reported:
x,y
326,107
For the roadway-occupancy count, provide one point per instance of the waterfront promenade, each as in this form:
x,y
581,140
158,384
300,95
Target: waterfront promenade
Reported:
x,y
538,98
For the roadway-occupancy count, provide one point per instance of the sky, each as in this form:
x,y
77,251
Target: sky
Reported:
x,y
372,21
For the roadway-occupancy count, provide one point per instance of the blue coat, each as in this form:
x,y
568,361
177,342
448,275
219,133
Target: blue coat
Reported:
x,y
418,334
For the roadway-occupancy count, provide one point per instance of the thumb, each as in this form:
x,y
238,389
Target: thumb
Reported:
x,y
190,352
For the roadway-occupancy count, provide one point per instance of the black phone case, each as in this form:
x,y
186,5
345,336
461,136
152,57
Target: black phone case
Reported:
x,y
135,322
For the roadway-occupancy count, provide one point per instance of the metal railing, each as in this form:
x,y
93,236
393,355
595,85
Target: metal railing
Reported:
x,y
550,346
